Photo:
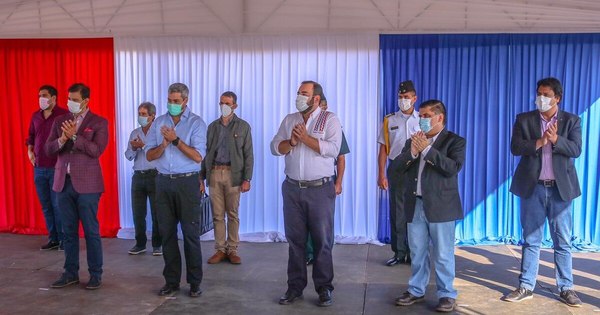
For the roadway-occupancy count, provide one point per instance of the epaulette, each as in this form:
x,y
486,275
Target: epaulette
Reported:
x,y
389,115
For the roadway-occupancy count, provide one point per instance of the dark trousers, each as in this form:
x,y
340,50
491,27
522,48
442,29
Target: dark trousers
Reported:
x,y
44,179
77,207
399,234
309,210
178,201
143,188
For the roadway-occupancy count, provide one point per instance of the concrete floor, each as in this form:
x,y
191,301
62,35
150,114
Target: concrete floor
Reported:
x,y
363,285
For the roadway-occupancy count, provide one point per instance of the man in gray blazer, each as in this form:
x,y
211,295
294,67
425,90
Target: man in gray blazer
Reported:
x,y
547,140
431,161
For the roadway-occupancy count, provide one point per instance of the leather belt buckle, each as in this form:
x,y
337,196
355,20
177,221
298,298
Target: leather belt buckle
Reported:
x,y
547,182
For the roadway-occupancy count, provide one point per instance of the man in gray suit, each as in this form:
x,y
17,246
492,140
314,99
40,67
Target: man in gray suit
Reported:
x,y
547,140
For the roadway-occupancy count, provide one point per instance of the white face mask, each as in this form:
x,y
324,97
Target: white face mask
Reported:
x,y
44,103
404,103
226,110
302,102
74,107
543,103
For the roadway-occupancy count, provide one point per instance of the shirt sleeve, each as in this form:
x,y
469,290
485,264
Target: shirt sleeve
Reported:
x,y
151,137
130,154
198,140
31,136
330,144
281,135
344,149
380,138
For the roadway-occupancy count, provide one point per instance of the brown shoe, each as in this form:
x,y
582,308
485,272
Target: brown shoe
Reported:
x,y
234,258
218,257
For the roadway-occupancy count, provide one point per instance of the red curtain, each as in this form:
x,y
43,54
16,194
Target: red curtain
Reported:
x,y
25,65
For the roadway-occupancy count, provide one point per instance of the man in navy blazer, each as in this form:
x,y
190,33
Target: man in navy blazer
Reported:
x,y
547,140
431,160
79,138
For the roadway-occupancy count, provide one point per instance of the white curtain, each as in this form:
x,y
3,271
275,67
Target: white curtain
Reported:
x,y
265,72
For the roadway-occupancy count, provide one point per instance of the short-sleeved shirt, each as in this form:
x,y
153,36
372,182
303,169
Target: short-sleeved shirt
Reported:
x,y
400,128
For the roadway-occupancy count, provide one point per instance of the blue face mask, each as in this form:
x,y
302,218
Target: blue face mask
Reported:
x,y
425,124
174,109
143,121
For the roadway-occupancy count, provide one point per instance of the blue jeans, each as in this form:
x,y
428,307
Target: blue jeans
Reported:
x,y
420,233
44,178
545,202
77,207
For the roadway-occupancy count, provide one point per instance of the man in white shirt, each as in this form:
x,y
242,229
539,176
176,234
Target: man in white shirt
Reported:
x,y
310,139
143,183
397,128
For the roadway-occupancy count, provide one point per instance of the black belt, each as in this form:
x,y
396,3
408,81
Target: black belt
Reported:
x,y
309,183
220,163
180,175
547,182
150,171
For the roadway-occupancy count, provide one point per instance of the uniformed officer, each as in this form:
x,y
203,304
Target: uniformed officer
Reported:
x,y
310,139
397,128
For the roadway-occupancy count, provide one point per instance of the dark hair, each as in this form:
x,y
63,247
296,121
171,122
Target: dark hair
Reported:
x,y
149,107
317,88
83,89
51,90
230,94
552,83
436,106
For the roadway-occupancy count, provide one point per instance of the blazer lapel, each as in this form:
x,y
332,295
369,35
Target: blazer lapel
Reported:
x,y
440,139
560,120
536,125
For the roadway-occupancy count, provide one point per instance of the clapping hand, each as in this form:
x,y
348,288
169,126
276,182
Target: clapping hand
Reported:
x,y
551,133
137,143
168,133
418,143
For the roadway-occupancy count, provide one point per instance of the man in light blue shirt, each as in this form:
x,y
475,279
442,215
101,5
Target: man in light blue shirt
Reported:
x,y
177,143
143,183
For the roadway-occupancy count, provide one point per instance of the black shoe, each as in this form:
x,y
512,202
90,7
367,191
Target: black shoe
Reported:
x,y
64,281
570,298
168,289
394,261
446,305
61,247
518,295
325,298
407,299
407,260
309,261
94,283
289,297
136,250
50,245
195,290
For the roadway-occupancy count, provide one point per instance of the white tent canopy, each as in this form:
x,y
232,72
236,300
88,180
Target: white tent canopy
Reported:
x,y
101,18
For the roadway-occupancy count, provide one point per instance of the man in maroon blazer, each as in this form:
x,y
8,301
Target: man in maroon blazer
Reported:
x,y
78,139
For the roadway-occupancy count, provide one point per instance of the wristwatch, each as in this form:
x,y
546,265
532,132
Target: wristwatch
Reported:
x,y
175,142
74,137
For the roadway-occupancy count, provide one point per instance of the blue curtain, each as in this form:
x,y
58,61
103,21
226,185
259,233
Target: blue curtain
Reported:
x,y
485,81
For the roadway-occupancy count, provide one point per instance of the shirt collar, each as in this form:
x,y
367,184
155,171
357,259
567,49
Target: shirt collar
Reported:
x,y
551,118
82,114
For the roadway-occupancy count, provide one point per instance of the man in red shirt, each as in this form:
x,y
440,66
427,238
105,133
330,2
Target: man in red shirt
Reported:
x,y
39,130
